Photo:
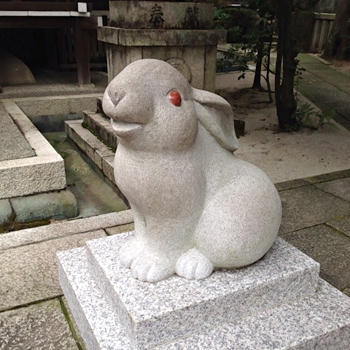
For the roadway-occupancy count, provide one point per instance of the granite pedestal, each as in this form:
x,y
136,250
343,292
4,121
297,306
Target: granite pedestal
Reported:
x,y
277,303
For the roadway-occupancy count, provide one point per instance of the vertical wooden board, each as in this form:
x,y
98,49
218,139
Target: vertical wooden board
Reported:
x,y
70,44
53,49
93,44
331,25
316,35
62,45
323,35
82,53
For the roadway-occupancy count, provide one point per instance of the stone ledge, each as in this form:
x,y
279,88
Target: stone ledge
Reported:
x,y
60,229
17,212
53,205
57,105
41,173
170,37
313,180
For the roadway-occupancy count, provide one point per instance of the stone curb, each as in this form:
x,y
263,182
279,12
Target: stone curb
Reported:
x,y
53,105
53,205
52,231
36,170
282,186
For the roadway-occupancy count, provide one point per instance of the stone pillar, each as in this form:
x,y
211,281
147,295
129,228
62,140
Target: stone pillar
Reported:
x,y
180,33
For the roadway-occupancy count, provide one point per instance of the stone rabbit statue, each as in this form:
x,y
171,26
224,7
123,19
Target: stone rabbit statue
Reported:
x,y
196,206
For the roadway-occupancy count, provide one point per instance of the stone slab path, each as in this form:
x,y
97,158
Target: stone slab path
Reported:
x,y
328,88
13,145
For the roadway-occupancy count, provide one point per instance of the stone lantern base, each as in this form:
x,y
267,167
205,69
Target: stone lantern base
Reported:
x,y
180,33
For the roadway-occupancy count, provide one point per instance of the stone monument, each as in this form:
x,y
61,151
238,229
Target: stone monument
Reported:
x,y
197,209
181,33
196,206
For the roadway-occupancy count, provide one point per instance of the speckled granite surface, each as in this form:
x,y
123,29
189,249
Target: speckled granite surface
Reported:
x,y
154,313
300,319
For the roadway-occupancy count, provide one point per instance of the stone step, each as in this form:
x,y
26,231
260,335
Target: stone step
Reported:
x,y
100,154
272,304
101,127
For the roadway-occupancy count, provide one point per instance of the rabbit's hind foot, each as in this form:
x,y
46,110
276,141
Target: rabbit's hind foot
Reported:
x,y
194,265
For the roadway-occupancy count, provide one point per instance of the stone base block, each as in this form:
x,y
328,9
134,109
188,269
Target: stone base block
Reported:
x,y
277,303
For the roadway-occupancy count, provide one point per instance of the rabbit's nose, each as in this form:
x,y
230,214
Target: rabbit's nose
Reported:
x,y
116,95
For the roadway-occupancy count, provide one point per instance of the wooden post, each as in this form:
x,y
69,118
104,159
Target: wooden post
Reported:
x,y
82,52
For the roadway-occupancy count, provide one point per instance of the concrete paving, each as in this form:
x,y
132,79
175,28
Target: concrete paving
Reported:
x,y
328,88
284,156
33,312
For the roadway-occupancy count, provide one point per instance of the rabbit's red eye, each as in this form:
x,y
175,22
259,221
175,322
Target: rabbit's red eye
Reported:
x,y
175,98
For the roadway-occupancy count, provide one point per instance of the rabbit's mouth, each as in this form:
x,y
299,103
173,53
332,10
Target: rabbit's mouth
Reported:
x,y
123,129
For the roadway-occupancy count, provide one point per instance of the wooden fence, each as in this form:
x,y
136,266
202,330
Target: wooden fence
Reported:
x,y
329,6
66,46
323,25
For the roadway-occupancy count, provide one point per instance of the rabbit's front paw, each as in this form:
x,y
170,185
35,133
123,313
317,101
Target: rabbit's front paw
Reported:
x,y
130,251
194,265
151,268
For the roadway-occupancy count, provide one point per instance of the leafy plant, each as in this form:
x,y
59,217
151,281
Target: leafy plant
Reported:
x,y
297,77
254,40
306,116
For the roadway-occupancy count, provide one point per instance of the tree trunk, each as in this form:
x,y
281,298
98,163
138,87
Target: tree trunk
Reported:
x,y
258,68
338,45
285,66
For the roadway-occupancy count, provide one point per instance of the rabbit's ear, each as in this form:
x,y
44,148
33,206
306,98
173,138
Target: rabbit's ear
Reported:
x,y
215,114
